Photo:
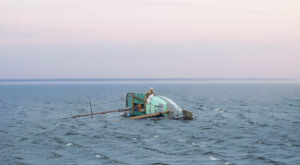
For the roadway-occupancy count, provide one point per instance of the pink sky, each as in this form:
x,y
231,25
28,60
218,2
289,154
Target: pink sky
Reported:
x,y
149,39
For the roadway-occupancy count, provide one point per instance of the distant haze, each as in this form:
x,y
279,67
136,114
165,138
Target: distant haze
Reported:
x,y
149,39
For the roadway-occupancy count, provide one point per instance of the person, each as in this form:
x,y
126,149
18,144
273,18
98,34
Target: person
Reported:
x,y
148,93
140,107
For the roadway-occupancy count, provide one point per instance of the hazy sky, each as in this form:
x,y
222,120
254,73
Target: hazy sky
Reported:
x,y
149,39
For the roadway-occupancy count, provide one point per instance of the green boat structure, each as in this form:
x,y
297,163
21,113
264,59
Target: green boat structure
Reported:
x,y
154,106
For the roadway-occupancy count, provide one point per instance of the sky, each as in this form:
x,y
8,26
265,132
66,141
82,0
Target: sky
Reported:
x,y
149,39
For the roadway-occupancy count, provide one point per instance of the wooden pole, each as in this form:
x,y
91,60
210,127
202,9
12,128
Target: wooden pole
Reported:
x,y
132,104
91,110
149,115
101,113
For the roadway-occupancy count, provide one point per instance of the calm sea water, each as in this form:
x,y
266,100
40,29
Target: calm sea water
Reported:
x,y
237,123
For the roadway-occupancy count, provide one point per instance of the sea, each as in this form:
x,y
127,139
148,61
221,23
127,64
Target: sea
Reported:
x,y
236,122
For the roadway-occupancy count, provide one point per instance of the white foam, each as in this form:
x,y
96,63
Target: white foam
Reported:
x,y
156,136
69,144
99,156
213,158
182,140
219,110
199,145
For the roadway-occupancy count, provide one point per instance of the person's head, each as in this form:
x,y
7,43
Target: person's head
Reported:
x,y
151,89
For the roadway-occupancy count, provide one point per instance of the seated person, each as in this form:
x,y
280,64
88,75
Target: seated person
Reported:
x,y
139,108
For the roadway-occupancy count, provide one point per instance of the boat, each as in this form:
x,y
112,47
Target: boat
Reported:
x,y
155,106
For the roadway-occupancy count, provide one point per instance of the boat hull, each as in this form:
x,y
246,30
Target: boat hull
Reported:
x,y
154,105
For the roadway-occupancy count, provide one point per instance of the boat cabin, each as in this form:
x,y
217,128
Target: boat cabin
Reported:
x,y
154,104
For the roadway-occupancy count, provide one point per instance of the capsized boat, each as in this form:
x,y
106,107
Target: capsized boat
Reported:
x,y
155,106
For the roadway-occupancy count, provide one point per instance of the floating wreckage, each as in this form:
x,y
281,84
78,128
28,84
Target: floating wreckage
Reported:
x,y
155,106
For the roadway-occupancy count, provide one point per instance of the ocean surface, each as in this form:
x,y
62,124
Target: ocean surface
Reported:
x,y
236,123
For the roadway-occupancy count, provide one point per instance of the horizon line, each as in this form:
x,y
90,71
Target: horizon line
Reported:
x,y
145,79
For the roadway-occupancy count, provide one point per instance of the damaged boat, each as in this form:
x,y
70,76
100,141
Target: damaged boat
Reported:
x,y
154,106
